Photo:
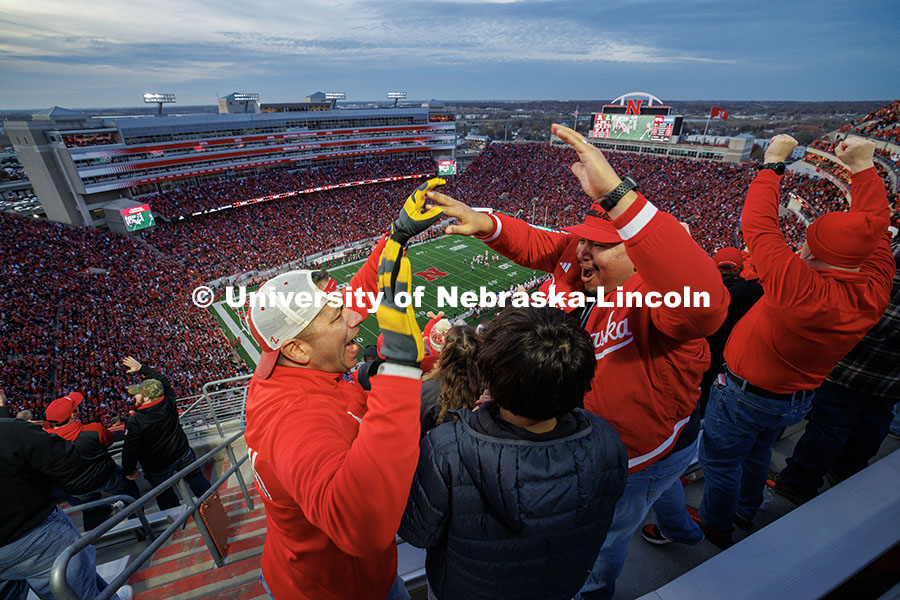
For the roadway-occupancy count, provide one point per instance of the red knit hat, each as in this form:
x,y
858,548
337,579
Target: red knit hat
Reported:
x,y
843,239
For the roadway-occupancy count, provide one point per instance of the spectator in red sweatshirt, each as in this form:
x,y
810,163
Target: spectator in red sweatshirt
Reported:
x,y
333,463
649,359
817,305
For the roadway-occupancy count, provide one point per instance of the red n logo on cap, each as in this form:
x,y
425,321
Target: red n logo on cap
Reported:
x,y
634,107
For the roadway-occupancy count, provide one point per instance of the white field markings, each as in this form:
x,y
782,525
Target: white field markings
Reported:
x,y
228,318
427,256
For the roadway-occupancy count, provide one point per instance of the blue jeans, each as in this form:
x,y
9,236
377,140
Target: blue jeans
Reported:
x,y
658,486
895,424
195,479
397,591
739,431
26,562
844,432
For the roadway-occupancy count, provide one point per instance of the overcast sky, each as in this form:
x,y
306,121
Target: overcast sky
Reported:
x,y
96,53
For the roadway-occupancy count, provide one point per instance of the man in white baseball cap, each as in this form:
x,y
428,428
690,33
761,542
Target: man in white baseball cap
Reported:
x,y
333,463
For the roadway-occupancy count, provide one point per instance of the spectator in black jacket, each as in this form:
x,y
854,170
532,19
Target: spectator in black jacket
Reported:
x,y
154,437
744,295
100,474
33,530
514,500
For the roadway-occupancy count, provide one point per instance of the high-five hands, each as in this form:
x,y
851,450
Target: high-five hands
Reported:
x,y
412,221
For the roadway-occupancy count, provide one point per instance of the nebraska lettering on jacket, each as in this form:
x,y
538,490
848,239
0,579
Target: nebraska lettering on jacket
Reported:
x,y
649,359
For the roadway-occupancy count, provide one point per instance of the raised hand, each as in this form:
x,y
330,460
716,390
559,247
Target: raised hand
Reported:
x,y
471,222
412,220
133,366
594,173
779,148
856,153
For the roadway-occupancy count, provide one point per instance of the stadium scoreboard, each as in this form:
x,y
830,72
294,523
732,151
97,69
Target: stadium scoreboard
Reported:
x,y
639,128
446,167
138,217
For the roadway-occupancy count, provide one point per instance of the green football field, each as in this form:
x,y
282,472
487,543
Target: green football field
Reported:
x,y
445,261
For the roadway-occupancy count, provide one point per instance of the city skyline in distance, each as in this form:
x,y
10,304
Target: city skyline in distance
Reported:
x,y
108,54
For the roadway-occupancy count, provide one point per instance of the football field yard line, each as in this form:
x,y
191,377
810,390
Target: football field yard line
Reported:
x,y
248,346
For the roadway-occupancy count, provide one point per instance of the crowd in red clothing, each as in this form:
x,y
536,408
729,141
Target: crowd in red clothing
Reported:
x,y
187,200
707,195
75,299
264,236
883,124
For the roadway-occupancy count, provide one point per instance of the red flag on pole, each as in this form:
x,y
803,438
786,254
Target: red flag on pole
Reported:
x,y
715,111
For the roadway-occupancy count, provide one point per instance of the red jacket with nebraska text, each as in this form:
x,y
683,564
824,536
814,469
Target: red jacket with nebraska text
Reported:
x,y
649,360
334,466
808,319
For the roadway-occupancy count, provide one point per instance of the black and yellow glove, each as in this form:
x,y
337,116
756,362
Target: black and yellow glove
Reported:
x,y
403,342
412,221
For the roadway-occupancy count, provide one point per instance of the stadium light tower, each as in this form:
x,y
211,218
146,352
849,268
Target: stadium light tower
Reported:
x,y
334,97
159,100
396,96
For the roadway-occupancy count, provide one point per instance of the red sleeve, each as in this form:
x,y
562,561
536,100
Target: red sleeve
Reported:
x,y
366,279
668,260
106,437
869,196
783,275
355,492
525,245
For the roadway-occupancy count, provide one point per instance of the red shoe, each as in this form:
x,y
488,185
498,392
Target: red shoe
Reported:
x,y
720,539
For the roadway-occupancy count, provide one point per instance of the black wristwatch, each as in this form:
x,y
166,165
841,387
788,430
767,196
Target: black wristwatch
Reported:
x,y
777,167
612,198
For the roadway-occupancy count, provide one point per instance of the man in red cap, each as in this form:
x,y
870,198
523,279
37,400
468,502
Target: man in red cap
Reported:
x,y
649,359
817,305
99,474
333,463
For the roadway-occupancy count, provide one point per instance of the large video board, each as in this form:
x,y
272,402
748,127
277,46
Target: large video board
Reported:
x,y
641,128
138,217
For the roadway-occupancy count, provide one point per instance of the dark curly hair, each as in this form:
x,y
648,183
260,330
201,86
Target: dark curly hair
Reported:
x,y
537,362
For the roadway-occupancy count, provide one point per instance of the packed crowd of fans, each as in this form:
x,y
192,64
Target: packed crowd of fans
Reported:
x,y
73,300
883,124
175,202
76,299
266,235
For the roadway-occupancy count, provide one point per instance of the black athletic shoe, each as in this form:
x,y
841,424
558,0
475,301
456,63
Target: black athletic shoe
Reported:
x,y
797,495
742,523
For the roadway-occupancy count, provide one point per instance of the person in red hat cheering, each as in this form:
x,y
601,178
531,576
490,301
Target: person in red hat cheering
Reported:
x,y
649,359
816,306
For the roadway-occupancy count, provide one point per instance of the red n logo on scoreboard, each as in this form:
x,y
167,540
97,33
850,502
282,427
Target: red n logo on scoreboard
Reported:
x,y
430,274
634,107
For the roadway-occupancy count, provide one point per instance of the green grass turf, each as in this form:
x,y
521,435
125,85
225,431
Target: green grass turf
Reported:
x,y
451,255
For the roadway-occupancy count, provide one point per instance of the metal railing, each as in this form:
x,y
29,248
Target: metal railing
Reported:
x,y
217,406
60,585
125,499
